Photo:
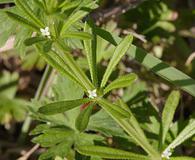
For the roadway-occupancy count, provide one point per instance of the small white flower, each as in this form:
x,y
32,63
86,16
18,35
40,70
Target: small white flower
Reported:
x,y
92,94
45,32
166,154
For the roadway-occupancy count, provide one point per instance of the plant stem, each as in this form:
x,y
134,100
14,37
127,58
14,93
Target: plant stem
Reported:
x,y
38,95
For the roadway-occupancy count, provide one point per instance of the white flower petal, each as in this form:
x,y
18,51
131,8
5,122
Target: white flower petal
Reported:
x,y
46,28
42,30
45,32
92,94
166,154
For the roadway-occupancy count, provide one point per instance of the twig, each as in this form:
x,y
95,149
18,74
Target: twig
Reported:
x,y
138,36
190,59
29,153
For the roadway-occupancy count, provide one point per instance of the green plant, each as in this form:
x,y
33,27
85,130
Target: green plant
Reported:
x,y
54,34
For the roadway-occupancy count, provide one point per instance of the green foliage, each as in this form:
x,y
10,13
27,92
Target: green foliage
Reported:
x,y
6,1
33,40
83,118
185,134
109,153
61,106
66,110
25,8
120,50
168,112
123,81
90,49
22,21
165,71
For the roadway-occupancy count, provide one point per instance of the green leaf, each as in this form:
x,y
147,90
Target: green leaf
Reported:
x,y
83,118
109,153
127,126
61,149
65,89
40,129
185,134
7,27
168,112
77,16
101,122
53,136
114,109
154,64
6,1
78,35
71,63
90,50
20,47
167,26
123,81
39,4
182,158
58,63
162,69
88,139
133,121
33,40
66,5
61,106
22,21
119,52
47,46
24,7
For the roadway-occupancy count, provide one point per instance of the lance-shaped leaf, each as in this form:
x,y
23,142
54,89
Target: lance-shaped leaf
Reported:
x,y
58,63
61,106
66,5
168,113
109,153
119,52
71,63
160,68
125,123
78,35
83,118
185,134
133,121
77,16
90,50
25,8
33,40
121,82
114,109
22,21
